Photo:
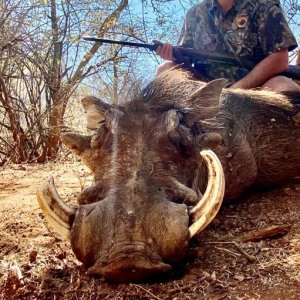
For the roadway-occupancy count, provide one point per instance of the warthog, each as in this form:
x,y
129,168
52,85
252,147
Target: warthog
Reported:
x,y
159,163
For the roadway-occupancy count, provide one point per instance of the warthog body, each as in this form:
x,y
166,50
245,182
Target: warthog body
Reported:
x,y
134,220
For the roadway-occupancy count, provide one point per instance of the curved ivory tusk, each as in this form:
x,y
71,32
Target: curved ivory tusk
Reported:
x,y
207,208
59,215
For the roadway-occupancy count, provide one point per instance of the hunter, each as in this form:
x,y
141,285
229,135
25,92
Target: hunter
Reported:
x,y
255,30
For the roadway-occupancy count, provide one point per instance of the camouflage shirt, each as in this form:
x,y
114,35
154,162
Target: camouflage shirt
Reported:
x,y
250,29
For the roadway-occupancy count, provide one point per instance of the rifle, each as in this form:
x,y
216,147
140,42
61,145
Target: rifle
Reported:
x,y
186,56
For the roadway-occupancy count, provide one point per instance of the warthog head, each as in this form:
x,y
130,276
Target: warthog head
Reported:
x,y
150,171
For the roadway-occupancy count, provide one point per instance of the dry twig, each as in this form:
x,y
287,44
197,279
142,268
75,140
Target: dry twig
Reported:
x,y
265,233
249,256
145,290
242,251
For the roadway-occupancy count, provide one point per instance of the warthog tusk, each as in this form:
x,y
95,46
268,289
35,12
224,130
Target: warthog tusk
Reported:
x,y
57,213
207,208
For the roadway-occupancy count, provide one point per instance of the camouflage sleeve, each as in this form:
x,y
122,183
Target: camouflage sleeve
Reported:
x,y
188,29
274,31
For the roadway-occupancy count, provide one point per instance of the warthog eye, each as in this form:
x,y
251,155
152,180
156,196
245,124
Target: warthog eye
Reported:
x,y
181,138
175,138
196,129
182,118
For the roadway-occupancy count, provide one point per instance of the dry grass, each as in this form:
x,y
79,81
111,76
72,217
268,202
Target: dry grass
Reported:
x,y
35,264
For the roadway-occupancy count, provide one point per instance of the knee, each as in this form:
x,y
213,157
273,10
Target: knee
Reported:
x,y
281,84
164,67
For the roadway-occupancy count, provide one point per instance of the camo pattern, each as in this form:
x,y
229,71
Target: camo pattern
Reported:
x,y
251,29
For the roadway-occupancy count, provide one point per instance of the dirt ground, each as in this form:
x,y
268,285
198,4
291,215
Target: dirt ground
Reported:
x,y
36,264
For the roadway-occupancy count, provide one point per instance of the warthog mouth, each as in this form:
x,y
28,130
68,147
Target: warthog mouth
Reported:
x,y
129,270
132,264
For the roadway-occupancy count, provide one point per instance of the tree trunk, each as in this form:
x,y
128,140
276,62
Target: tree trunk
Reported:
x,y
115,81
60,93
20,154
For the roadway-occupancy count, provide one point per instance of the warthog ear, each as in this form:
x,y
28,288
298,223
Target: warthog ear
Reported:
x,y
95,111
205,101
76,142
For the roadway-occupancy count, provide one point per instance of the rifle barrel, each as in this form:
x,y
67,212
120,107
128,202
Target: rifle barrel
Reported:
x,y
151,47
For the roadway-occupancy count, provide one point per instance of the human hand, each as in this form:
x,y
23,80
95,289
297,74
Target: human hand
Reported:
x,y
165,51
235,85
241,84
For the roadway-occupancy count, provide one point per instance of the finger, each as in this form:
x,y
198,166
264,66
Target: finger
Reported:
x,y
157,42
170,53
166,51
159,50
162,51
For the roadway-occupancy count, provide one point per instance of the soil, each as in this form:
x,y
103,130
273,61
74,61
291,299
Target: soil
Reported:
x,y
36,264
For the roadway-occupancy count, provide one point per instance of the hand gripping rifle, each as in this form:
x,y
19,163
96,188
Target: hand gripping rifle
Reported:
x,y
186,56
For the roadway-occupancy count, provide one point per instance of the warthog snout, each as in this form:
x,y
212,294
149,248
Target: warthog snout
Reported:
x,y
127,240
131,262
